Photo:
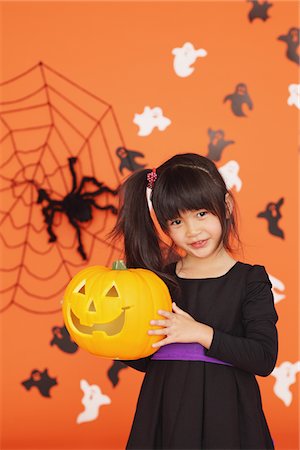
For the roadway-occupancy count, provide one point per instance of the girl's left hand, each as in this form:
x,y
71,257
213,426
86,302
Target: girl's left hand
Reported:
x,y
178,326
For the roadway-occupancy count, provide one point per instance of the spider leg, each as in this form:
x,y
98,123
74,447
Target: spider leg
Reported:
x,y
110,207
72,162
49,212
96,183
78,232
106,189
42,195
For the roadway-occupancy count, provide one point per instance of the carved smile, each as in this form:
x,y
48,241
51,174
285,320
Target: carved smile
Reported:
x,y
110,328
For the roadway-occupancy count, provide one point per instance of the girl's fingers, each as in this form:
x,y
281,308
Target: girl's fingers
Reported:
x,y
158,332
161,343
164,313
160,323
177,310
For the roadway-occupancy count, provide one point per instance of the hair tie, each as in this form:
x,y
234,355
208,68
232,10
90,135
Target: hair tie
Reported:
x,y
151,178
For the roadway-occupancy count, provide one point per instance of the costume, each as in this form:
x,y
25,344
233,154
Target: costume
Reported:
x,y
204,405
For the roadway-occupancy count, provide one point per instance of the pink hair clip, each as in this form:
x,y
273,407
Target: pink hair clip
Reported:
x,y
151,178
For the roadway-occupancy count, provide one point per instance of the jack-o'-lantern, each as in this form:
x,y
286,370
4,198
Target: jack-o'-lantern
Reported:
x,y
108,311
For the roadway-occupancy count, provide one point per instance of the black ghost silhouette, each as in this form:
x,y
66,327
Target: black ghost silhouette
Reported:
x,y
292,39
127,158
113,371
62,339
217,144
272,214
41,380
259,10
238,98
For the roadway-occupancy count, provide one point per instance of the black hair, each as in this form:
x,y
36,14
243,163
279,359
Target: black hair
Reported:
x,y
184,182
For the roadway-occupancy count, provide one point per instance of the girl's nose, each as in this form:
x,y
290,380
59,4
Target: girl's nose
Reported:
x,y
193,229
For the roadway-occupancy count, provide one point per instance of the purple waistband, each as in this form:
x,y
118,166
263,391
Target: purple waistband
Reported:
x,y
185,352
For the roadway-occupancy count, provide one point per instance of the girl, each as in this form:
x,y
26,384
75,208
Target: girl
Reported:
x,y
199,390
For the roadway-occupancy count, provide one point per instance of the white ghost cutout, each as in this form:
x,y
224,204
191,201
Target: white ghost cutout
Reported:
x,y
92,400
149,119
277,285
184,57
230,175
294,98
285,376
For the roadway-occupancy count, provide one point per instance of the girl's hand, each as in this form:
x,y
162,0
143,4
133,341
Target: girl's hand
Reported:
x,y
179,326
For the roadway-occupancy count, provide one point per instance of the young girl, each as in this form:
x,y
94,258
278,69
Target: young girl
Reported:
x,y
199,390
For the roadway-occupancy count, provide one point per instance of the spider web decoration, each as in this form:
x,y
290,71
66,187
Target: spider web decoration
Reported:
x,y
45,119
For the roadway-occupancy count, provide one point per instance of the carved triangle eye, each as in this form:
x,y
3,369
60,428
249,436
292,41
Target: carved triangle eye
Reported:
x,y
80,289
112,292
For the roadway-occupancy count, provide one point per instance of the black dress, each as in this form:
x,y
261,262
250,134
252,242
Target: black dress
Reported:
x,y
204,405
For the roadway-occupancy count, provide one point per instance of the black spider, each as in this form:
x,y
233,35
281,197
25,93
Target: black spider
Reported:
x,y
77,205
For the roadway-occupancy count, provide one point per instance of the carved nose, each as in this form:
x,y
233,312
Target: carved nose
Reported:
x,y
92,307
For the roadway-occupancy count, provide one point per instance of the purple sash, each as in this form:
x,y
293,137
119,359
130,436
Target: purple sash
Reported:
x,y
185,352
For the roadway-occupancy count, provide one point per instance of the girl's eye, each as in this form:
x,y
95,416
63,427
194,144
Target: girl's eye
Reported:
x,y
175,222
202,213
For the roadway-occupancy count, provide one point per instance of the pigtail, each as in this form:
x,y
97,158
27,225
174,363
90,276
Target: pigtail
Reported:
x,y
142,246
134,223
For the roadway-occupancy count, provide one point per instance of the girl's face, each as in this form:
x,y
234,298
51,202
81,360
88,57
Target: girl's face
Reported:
x,y
196,232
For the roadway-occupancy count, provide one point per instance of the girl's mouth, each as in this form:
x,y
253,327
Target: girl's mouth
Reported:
x,y
199,244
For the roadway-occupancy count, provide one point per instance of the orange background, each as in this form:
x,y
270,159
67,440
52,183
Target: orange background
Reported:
x,y
121,52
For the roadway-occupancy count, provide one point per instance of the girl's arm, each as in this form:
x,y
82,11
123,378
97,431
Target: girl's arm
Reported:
x,y
257,350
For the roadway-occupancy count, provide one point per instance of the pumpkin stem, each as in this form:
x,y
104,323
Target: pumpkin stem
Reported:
x,y
119,265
